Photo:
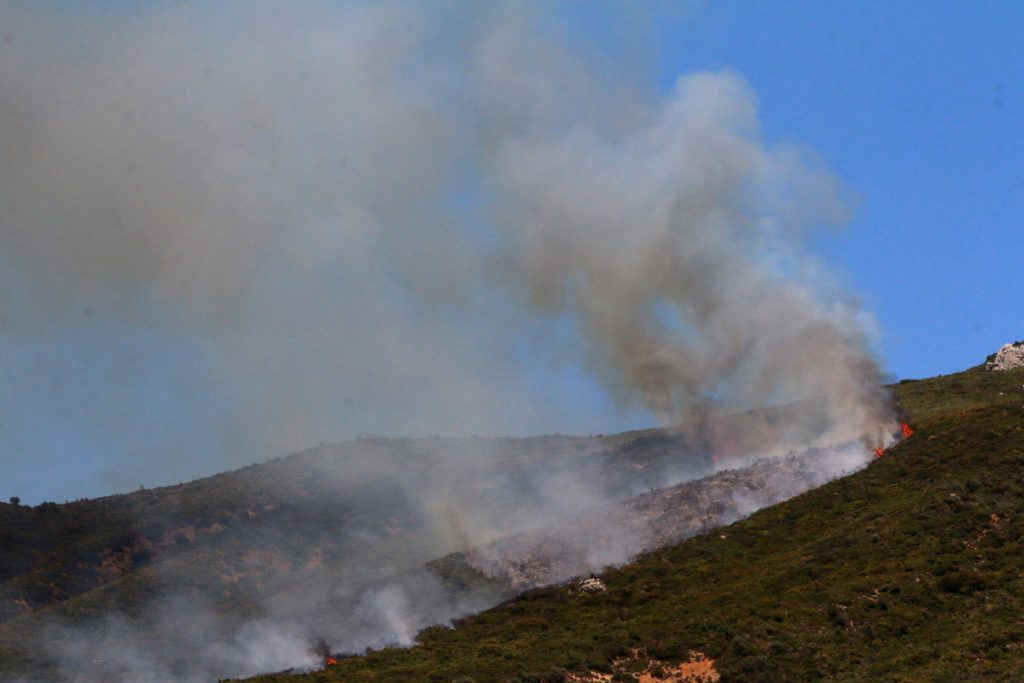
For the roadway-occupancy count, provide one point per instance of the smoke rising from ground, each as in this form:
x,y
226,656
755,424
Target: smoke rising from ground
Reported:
x,y
364,544
230,230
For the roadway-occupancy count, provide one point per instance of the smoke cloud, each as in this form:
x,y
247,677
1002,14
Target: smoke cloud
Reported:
x,y
231,230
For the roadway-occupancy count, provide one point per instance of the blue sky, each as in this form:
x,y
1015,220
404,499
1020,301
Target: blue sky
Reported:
x,y
917,107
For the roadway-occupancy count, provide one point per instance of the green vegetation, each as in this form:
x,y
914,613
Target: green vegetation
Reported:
x,y
909,570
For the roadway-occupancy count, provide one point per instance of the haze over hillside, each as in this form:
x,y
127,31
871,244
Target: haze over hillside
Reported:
x,y
227,234
355,545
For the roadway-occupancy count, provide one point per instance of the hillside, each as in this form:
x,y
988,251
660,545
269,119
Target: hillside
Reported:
x,y
319,529
909,570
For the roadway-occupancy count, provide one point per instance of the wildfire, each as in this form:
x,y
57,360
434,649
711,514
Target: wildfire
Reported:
x,y
322,650
905,430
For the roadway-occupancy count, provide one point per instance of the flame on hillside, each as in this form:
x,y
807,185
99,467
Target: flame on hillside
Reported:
x,y
906,431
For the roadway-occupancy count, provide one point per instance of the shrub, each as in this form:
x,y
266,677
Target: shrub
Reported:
x,y
965,581
557,674
742,647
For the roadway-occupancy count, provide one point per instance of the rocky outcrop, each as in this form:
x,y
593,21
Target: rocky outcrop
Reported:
x,y
1009,357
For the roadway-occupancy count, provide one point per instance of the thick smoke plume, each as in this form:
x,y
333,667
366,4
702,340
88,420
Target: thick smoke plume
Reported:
x,y
230,230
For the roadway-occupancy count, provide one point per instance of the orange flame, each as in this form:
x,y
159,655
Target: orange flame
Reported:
x,y
905,429
330,661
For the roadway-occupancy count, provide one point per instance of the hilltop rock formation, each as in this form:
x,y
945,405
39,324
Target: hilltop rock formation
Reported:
x,y
1009,357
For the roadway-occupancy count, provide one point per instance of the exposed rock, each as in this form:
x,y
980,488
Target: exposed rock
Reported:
x,y
591,585
697,669
1009,357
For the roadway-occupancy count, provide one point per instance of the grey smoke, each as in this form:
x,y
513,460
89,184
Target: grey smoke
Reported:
x,y
230,230
673,245
450,495
187,642
183,637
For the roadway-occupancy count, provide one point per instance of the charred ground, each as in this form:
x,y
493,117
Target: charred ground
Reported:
x,y
909,570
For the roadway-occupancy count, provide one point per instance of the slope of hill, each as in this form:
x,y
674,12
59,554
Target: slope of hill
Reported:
x,y
53,553
318,528
909,570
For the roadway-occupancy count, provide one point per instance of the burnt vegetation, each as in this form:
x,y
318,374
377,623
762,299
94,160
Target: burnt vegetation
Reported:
x,y
906,571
